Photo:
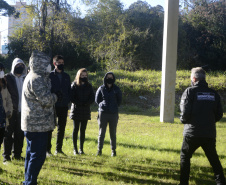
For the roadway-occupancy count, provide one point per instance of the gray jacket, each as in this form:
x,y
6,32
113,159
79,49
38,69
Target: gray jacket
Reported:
x,y
37,113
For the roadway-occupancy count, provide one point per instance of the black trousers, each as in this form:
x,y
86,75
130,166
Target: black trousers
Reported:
x,y
103,120
82,125
2,132
190,144
14,136
61,113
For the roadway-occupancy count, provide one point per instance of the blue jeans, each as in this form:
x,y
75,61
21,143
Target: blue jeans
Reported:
x,y
35,155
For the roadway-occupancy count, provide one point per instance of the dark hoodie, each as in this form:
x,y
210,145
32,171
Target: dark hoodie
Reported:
x,y
107,98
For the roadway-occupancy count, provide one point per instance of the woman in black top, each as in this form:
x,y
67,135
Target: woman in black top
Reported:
x,y
82,96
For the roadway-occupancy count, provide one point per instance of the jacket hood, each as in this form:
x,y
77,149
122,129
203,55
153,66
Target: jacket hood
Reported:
x,y
15,62
105,83
38,62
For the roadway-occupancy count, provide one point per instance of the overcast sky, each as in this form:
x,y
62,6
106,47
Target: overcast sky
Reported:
x,y
127,3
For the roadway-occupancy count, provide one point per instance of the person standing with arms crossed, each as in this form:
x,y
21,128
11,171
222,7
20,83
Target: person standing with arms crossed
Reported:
x,y
60,82
200,110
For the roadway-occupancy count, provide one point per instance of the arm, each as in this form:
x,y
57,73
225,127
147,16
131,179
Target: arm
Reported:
x,y
42,93
219,111
74,98
98,97
119,96
91,95
186,107
9,104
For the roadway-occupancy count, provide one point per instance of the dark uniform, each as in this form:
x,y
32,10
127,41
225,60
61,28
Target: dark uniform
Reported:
x,y
200,110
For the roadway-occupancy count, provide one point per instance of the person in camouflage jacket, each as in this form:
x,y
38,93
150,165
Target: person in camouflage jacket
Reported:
x,y
37,116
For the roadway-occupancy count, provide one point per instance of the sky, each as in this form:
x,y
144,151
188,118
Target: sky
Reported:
x,y
4,20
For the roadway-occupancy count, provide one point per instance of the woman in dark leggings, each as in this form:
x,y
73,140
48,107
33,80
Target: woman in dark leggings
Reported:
x,y
82,96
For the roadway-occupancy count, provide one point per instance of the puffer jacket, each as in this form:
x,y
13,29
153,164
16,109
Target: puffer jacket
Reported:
x,y
82,97
37,100
200,110
108,99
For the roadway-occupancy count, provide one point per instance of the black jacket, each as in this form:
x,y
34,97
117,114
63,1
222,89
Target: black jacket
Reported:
x,y
108,99
12,88
200,110
81,97
63,85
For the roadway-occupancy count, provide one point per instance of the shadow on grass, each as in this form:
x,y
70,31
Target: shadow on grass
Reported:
x,y
141,147
154,172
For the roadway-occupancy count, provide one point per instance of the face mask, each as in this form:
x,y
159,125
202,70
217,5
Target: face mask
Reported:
x,y
60,67
19,70
110,81
84,79
48,69
2,74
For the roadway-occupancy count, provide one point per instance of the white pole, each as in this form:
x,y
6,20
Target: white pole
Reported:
x,y
169,61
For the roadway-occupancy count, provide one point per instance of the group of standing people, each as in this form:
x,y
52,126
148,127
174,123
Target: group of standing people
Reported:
x,y
39,101
34,105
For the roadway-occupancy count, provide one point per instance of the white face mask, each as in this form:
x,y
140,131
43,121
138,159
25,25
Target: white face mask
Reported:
x,y
48,69
2,74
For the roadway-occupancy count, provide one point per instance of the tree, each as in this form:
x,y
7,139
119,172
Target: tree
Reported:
x,y
7,10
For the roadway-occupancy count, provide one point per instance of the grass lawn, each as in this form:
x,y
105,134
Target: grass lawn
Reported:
x,y
148,152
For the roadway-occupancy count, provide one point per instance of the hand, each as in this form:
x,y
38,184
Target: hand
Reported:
x,y
59,96
8,115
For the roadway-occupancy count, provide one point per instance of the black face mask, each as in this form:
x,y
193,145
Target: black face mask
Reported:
x,y
19,70
85,79
109,81
60,67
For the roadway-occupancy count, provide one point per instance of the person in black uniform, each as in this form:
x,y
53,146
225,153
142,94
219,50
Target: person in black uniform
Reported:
x,y
200,110
61,85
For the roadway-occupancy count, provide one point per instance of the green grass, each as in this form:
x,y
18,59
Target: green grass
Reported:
x,y
148,152
149,81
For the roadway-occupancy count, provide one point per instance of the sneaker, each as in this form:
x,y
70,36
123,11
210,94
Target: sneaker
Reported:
x,y
113,154
6,160
49,154
60,152
81,152
76,152
99,153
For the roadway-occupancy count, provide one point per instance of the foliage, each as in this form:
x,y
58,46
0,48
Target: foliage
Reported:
x,y
7,10
111,37
204,31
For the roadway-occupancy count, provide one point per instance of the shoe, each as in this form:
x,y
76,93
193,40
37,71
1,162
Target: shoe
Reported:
x,y
49,154
99,153
76,152
113,154
6,160
81,152
57,152
18,158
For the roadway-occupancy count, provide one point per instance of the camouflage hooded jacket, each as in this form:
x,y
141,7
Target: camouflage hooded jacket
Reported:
x,y
37,112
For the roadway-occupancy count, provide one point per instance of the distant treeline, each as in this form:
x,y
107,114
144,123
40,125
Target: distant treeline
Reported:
x,y
110,37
